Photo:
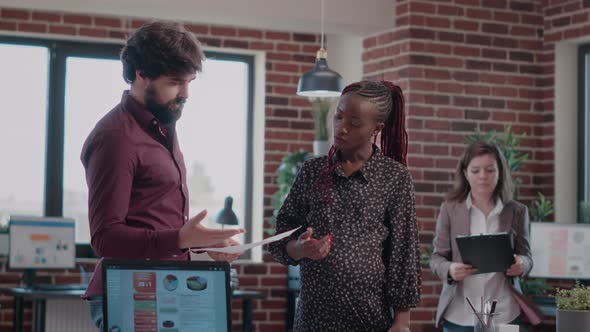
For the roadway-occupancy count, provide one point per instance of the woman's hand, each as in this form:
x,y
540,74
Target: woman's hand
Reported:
x,y
395,328
307,247
401,320
227,257
517,268
459,271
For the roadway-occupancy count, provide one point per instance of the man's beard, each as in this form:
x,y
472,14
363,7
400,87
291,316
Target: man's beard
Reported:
x,y
165,113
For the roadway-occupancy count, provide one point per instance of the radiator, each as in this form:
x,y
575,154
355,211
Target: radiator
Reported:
x,y
68,316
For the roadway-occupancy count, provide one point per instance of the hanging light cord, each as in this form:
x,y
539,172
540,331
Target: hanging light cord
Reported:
x,y
322,26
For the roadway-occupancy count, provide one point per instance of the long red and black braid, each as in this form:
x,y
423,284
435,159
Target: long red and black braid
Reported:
x,y
394,137
389,100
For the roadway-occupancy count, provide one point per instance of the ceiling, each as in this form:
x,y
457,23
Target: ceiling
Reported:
x,y
342,17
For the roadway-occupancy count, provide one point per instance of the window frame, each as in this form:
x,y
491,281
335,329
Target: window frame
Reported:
x,y
59,51
583,193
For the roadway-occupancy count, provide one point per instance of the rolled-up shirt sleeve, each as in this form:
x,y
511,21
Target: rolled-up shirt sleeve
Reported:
x,y
403,274
110,167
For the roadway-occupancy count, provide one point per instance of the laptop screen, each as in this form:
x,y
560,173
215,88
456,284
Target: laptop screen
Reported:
x,y
166,296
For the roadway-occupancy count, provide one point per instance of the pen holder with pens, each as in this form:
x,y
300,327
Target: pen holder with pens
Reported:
x,y
485,322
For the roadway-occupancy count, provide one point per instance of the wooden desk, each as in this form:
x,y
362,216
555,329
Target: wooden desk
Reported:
x,y
39,297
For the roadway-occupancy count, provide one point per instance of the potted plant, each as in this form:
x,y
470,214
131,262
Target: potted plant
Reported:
x,y
541,208
584,213
426,255
320,108
4,237
573,308
286,174
538,290
535,287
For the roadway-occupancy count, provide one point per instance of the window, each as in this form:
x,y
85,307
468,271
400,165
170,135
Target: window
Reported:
x,y
92,88
584,129
66,95
214,135
23,134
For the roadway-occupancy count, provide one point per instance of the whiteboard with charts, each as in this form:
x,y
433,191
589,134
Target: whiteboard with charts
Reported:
x,y
560,250
42,242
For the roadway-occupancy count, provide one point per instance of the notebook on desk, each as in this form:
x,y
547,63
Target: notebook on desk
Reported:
x,y
487,252
166,296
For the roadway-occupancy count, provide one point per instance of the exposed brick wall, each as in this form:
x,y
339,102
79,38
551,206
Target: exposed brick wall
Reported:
x,y
468,64
289,125
270,314
12,277
463,64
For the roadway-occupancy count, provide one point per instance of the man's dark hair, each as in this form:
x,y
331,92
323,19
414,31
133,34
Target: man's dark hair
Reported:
x,y
161,48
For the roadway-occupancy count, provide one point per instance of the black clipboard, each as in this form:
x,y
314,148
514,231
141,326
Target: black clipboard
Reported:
x,y
487,252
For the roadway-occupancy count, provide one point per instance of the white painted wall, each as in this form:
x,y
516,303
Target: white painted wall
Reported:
x,y
566,132
258,153
345,56
347,17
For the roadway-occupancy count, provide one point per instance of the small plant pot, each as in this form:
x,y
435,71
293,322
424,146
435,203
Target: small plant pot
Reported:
x,y
573,320
321,148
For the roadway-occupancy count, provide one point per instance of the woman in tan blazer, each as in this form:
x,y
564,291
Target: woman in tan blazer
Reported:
x,y
481,202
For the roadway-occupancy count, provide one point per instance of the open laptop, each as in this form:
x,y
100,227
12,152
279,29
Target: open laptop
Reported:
x,y
166,296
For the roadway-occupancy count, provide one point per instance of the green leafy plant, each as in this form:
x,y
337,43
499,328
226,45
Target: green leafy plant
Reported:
x,y
576,298
321,107
584,212
425,255
4,223
541,208
286,173
535,286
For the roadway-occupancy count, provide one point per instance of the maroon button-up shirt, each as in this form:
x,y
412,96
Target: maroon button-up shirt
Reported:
x,y
137,193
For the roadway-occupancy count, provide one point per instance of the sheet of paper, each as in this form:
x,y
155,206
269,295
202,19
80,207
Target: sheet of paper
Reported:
x,y
244,247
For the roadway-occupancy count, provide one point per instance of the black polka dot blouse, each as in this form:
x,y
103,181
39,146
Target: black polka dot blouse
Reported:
x,y
373,266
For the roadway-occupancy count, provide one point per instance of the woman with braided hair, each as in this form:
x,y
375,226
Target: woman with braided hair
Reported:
x,y
358,244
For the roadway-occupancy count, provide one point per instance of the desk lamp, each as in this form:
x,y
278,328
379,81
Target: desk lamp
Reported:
x,y
227,217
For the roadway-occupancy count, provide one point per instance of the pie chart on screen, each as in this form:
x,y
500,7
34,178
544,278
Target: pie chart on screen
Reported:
x,y
168,324
196,283
170,282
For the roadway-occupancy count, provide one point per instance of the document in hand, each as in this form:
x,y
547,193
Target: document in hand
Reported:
x,y
243,247
487,252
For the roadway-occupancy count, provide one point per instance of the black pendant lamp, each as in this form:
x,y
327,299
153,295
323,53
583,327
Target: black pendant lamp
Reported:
x,y
321,81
